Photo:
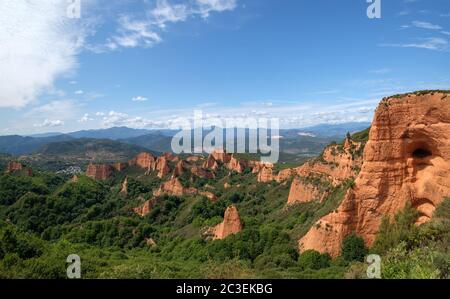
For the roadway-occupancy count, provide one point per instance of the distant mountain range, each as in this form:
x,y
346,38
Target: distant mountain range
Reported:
x,y
303,142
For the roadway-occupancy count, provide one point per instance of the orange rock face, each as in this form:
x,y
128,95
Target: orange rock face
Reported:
x,y
221,156
179,169
407,159
99,172
144,160
14,166
202,173
124,188
266,175
120,166
162,166
145,209
231,224
172,187
211,163
303,192
236,165
337,163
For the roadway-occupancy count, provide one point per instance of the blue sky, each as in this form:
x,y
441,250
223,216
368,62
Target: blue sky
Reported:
x,y
145,64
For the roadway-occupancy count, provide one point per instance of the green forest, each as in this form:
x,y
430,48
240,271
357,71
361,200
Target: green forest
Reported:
x,y
47,217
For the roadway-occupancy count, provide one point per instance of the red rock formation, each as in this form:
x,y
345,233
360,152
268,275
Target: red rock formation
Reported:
x,y
120,166
170,157
14,166
230,225
285,174
144,160
266,174
193,159
209,195
74,179
99,172
221,156
202,173
179,169
124,188
162,166
145,209
150,242
211,163
302,191
236,165
172,187
407,159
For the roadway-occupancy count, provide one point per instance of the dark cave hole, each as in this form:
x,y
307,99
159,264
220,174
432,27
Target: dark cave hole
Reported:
x,y
421,153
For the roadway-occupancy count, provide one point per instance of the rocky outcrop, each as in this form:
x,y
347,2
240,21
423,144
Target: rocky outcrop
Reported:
x,y
14,167
124,189
172,187
145,209
230,225
144,160
406,160
179,169
211,163
193,159
202,173
150,242
162,166
221,156
120,166
99,172
265,175
302,191
236,165
209,195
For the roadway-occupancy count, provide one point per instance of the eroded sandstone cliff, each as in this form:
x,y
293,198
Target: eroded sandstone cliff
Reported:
x,y
407,159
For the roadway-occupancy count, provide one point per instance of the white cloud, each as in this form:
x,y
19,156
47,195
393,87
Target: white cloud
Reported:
x,y
426,25
79,92
86,118
38,44
380,71
118,119
208,6
133,33
139,99
165,13
432,43
146,32
49,124
63,109
445,32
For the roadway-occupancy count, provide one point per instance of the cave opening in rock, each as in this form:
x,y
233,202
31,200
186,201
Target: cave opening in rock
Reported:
x,y
421,153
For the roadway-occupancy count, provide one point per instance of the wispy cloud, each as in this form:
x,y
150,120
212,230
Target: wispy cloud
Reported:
x,y
380,71
146,32
47,123
86,118
426,25
432,43
139,99
38,44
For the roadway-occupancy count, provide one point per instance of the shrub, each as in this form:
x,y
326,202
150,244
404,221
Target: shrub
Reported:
x,y
314,260
353,248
